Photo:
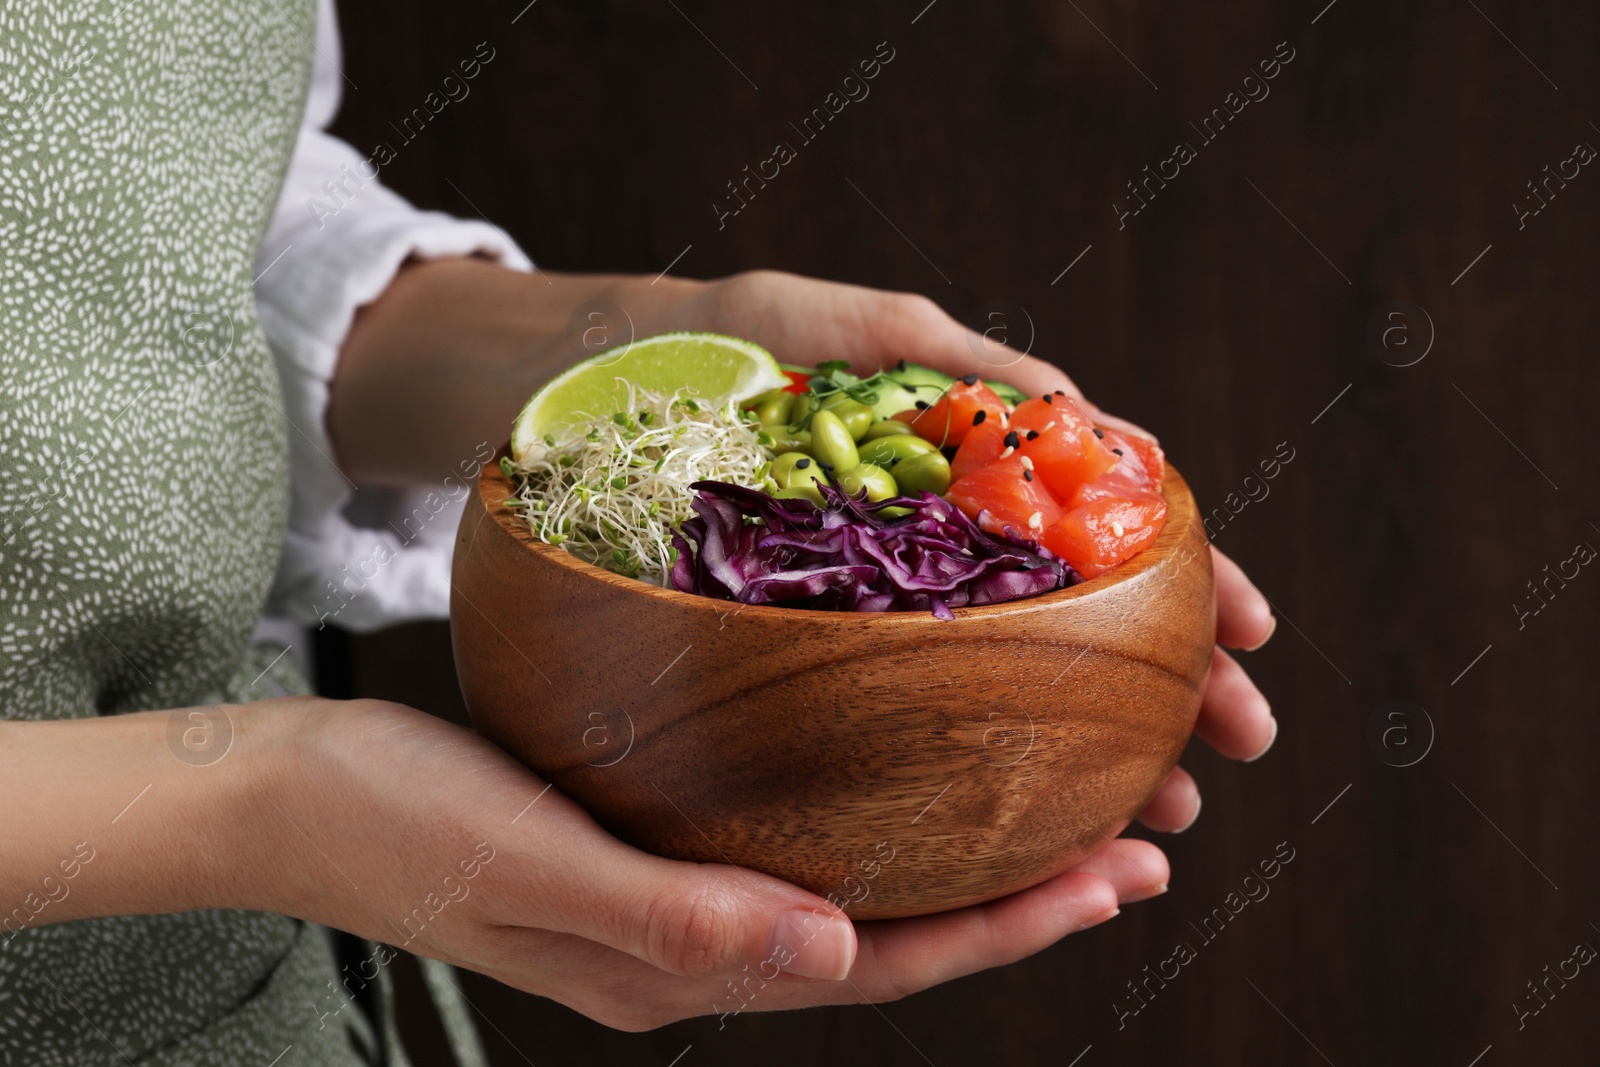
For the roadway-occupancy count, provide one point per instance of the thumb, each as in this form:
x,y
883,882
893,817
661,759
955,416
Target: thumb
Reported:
x,y
701,920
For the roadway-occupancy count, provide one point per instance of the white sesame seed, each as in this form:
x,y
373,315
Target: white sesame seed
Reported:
x,y
1116,527
1027,463
1035,520
1007,452
1047,426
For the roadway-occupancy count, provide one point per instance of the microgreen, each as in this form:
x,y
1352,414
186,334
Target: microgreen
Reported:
x,y
613,489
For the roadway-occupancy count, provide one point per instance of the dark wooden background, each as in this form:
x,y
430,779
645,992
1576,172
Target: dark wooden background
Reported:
x,y
1226,316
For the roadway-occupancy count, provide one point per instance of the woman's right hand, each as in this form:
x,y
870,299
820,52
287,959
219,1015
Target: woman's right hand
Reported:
x,y
387,822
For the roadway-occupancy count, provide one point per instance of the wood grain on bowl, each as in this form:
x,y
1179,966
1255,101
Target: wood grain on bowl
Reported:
x,y
901,764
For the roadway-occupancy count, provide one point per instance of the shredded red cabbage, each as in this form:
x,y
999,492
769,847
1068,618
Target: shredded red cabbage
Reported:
x,y
847,557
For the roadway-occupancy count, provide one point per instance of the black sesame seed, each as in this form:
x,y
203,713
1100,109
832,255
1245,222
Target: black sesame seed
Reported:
x,y
1049,398
969,379
802,464
901,365
1012,440
977,420
922,405
1033,435
1118,451
1060,393
1027,475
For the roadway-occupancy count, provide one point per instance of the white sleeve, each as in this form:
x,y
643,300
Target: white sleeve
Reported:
x,y
365,558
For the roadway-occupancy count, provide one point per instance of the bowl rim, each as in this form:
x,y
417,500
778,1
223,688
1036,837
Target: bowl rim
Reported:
x,y
494,486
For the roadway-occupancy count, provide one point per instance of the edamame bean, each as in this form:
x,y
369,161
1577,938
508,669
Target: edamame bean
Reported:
x,y
878,483
856,416
832,443
755,401
888,428
807,472
927,473
783,467
801,492
773,408
885,450
799,407
785,440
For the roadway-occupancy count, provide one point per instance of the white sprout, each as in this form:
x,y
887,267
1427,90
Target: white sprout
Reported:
x,y
615,487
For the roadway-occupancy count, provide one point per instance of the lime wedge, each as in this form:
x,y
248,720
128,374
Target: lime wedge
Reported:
x,y
716,368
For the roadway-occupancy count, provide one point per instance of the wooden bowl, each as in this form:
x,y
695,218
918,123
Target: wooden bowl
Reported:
x,y
893,762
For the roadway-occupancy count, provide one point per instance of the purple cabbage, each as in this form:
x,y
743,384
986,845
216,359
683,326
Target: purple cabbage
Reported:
x,y
847,557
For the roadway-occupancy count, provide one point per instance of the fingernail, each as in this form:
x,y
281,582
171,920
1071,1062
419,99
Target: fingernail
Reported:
x,y
1272,628
1155,891
1268,745
1112,914
1192,818
813,945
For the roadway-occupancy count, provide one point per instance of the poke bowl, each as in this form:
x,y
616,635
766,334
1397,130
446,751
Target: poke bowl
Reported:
x,y
896,762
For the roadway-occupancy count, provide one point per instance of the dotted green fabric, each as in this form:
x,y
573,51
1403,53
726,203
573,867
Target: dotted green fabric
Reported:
x,y
144,487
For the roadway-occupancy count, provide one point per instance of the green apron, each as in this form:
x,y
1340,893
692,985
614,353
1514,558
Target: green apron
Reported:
x,y
144,488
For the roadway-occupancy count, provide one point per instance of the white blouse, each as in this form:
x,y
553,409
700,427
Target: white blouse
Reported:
x,y
359,556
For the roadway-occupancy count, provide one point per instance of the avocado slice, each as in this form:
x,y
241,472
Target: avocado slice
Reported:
x,y
929,383
924,381
893,398
1009,393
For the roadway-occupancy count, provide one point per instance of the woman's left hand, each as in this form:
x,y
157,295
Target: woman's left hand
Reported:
x,y
804,320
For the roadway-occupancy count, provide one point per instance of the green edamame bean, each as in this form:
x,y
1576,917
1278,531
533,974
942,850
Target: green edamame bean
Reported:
x,y
783,467
832,443
878,483
773,408
885,450
856,416
888,428
927,473
785,440
799,407
755,401
801,492
807,472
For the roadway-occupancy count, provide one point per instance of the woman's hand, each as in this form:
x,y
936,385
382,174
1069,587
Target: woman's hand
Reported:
x,y
384,821
389,823
805,321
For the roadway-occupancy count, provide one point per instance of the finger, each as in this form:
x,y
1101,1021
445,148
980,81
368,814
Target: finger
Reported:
x,y
1175,806
928,336
917,330
1235,719
1244,618
688,919
897,958
1111,422
1136,869
906,955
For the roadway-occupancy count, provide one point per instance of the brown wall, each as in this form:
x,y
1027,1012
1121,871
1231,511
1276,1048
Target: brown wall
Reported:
x,y
1226,316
